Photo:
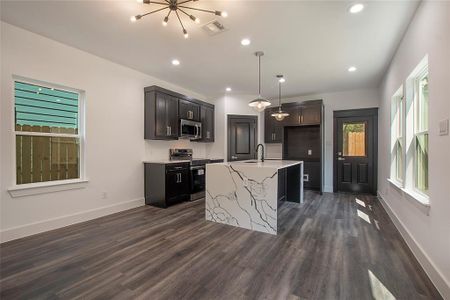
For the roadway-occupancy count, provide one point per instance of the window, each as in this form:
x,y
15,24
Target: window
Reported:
x,y
409,133
421,131
48,133
397,142
354,139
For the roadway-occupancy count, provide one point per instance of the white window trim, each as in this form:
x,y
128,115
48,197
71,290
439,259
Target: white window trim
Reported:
x,y
423,203
399,182
407,187
26,189
420,71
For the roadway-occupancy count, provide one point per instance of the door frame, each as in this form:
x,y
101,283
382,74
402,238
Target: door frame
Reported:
x,y
360,112
249,117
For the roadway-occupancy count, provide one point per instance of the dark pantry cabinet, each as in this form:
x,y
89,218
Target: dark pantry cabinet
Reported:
x,y
166,184
163,110
301,136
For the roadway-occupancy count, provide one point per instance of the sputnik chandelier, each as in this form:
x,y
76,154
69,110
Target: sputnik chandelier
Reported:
x,y
175,6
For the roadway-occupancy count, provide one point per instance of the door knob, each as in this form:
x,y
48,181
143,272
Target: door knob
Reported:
x,y
341,158
233,157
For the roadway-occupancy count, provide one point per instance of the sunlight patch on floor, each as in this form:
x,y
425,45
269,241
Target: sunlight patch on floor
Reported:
x,y
360,202
363,216
379,291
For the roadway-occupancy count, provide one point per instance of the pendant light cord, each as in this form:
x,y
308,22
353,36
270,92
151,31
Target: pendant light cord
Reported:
x,y
259,78
279,96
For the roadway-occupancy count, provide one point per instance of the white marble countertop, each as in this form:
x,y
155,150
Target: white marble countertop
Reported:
x,y
273,164
168,161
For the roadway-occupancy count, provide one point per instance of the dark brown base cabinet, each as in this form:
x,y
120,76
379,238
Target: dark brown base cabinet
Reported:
x,y
166,184
301,136
163,110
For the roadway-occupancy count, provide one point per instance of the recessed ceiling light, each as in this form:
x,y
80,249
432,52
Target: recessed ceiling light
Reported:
x,y
228,89
356,8
352,69
175,62
245,42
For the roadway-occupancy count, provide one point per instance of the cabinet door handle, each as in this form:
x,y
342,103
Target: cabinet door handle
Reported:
x,y
299,119
167,130
302,118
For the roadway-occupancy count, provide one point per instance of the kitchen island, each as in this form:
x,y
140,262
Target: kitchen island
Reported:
x,y
248,194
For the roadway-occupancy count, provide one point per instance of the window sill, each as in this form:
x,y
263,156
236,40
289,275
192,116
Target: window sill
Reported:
x,y
30,189
422,201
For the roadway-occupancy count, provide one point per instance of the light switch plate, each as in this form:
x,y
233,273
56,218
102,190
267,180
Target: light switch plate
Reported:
x,y
443,127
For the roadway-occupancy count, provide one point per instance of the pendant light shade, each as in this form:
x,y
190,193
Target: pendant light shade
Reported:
x,y
259,104
280,115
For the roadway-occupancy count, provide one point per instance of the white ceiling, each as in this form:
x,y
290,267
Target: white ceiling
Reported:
x,y
311,42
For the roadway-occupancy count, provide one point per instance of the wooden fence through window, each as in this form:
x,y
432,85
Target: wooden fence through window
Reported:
x,y
356,144
43,158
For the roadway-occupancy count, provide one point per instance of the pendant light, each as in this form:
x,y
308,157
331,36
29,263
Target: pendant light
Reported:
x,y
259,104
280,115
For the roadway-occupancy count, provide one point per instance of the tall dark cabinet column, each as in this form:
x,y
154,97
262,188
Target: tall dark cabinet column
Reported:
x,y
302,137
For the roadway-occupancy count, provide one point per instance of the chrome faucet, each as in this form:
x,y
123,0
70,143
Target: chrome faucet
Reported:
x,y
262,153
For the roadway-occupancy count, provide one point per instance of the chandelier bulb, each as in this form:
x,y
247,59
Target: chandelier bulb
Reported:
x,y
186,35
166,19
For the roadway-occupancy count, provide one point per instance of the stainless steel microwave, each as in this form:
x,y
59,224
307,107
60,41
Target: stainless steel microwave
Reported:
x,y
190,129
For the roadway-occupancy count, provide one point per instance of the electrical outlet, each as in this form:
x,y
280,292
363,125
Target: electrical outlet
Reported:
x,y
443,127
309,152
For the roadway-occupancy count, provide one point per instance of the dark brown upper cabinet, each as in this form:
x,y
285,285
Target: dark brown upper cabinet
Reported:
x,y
163,110
189,110
161,116
273,129
303,113
311,114
207,119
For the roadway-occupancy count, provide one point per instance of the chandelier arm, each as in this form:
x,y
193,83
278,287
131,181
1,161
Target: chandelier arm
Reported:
x,y
168,14
153,2
152,12
184,12
186,1
199,9
179,19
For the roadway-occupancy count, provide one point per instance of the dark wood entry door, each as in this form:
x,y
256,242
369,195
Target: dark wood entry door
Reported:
x,y
355,147
242,139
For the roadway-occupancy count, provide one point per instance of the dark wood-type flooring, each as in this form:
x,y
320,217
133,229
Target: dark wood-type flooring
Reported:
x,y
325,249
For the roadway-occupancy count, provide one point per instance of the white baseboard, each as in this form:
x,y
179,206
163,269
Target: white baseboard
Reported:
x,y
439,281
54,223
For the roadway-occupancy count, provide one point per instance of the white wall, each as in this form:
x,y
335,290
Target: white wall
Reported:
x,y
427,235
231,104
115,146
332,101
